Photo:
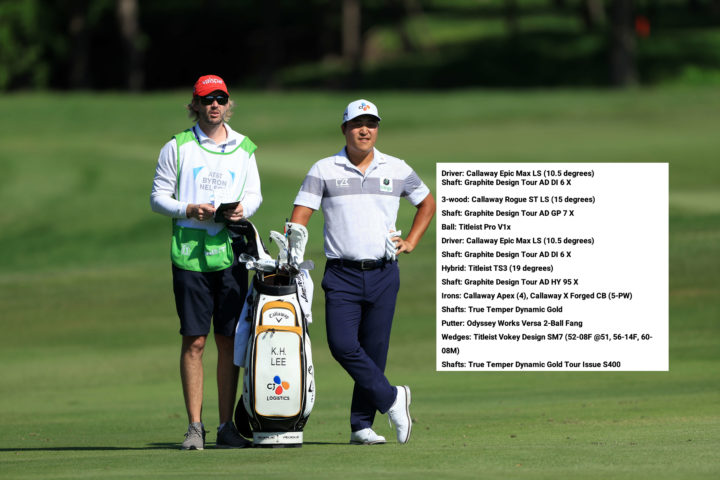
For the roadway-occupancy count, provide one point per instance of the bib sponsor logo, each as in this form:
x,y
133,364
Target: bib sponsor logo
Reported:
x,y
215,251
212,181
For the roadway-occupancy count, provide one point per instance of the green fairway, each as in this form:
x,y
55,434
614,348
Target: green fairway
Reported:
x,y
89,380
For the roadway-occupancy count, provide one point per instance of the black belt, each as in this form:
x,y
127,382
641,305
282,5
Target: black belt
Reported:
x,y
371,264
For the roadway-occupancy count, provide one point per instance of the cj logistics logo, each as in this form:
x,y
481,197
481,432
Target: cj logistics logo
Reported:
x,y
364,107
278,385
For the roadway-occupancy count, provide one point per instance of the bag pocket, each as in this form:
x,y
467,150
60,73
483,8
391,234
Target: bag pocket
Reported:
x,y
194,249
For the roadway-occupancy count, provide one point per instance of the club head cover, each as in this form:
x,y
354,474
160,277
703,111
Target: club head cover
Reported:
x,y
297,236
282,243
255,246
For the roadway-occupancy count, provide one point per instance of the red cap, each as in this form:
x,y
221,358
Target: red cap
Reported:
x,y
207,84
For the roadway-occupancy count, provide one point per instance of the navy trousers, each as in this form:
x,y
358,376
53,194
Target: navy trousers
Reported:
x,y
359,308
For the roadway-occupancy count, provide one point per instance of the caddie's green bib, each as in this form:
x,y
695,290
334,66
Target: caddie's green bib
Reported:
x,y
206,176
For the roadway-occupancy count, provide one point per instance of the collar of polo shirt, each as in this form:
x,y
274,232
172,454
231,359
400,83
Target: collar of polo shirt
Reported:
x,y
342,157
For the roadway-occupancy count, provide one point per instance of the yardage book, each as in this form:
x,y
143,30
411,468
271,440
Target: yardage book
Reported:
x,y
219,218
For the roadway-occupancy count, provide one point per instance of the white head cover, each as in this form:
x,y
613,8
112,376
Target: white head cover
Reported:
x,y
282,244
297,236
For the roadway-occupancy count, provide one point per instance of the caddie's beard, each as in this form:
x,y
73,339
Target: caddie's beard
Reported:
x,y
208,120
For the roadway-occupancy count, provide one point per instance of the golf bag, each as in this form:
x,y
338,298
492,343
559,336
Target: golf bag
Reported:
x,y
278,383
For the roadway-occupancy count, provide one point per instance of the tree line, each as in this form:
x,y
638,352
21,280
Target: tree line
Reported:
x,y
153,44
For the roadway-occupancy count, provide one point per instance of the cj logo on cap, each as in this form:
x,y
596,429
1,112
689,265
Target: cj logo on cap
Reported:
x,y
364,107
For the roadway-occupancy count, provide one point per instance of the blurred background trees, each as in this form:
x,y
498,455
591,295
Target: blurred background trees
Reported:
x,y
153,44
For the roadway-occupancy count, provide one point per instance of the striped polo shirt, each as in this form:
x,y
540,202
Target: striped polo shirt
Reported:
x,y
360,210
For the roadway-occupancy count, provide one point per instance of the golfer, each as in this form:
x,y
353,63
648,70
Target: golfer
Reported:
x,y
199,170
359,191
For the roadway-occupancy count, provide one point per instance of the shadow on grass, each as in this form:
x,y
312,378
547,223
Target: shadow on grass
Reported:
x,y
150,446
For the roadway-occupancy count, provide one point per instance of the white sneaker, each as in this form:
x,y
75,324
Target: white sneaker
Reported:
x,y
366,436
399,414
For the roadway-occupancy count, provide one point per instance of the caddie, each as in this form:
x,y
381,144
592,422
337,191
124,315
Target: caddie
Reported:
x,y
198,170
359,191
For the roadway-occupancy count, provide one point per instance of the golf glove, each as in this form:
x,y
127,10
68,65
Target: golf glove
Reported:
x,y
390,247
